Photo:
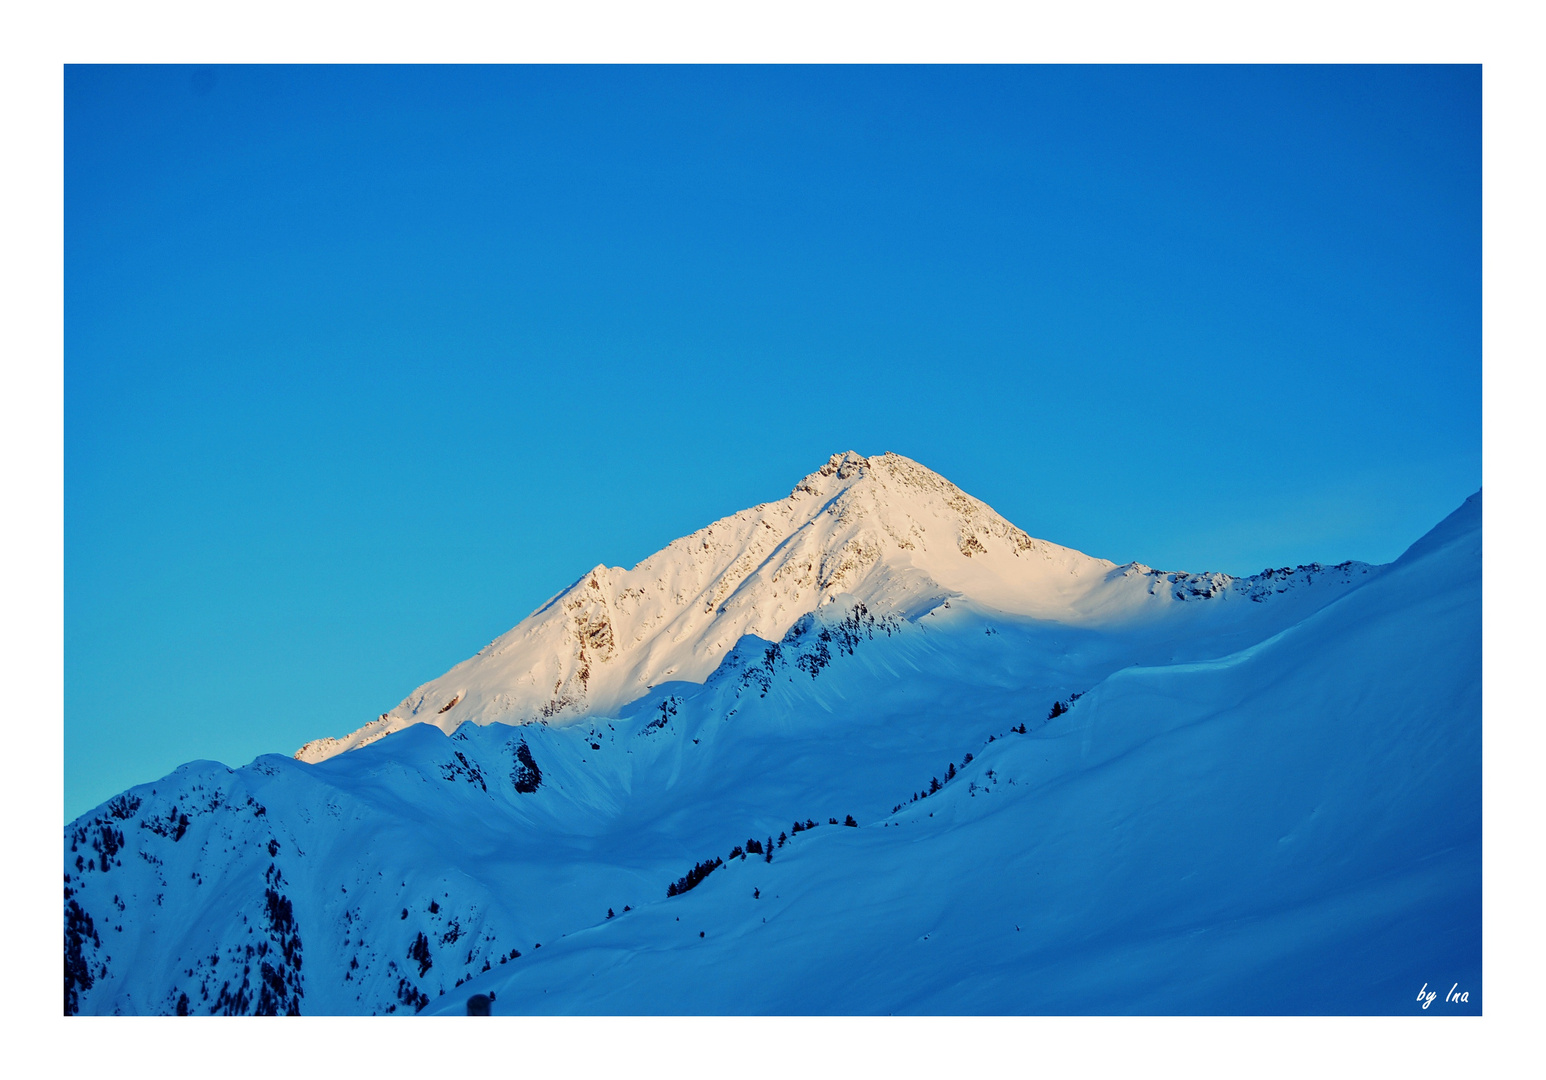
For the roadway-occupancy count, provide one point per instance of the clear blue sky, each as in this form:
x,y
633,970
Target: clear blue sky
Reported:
x,y
362,365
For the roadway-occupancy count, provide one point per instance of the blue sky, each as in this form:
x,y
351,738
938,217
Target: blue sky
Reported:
x,y
362,365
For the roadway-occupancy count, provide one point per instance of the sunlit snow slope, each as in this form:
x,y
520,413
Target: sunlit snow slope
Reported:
x,y
1099,790
883,531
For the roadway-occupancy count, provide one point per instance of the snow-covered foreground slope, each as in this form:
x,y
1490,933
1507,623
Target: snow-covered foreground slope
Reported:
x,y
1292,828
1252,805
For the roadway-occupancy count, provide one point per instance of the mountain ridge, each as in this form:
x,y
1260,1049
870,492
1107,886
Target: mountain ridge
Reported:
x,y
883,531
1183,815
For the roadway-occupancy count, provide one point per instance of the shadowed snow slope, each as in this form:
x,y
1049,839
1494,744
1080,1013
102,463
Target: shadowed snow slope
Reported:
x,y
1096,793
884,531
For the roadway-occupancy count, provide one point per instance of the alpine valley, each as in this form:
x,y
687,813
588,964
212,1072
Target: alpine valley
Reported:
x,y
866,749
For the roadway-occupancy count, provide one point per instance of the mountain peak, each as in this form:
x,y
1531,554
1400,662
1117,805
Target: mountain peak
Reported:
x,y
845,465
883,531
840,471
851,467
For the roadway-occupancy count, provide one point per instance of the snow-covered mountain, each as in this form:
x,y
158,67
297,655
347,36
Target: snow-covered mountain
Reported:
x,y
867,749
884,532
